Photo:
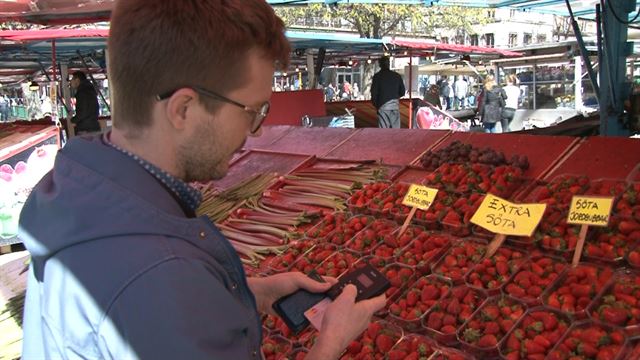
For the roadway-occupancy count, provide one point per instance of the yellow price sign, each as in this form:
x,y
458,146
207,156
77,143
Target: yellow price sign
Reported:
x,y
419,196
503,217
590,210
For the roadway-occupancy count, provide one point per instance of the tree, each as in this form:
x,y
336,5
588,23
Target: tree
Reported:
x,y
376,21
562,27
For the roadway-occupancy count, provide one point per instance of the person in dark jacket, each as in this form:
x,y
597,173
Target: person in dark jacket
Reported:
x,y
493,101
121,265
87,109
432,96
387,87
445,92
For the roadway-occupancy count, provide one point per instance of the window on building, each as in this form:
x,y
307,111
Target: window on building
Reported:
x,y
526,39
488,40
513,39
445,40
474,40
513,13
542,38
491,13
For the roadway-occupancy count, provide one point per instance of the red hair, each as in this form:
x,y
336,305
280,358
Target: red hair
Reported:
x,y
156,46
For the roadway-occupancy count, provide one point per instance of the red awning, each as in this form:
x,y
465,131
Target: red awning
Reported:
x,y
55,12
464,49
47,34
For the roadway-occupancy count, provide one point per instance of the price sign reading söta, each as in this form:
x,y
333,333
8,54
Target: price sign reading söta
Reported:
x,y
503,217
590,210
419,196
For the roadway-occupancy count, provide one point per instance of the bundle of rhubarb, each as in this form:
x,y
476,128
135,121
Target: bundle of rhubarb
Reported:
x,y
258,229
321,188
218,205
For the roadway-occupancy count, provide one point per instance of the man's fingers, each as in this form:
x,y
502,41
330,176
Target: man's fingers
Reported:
x,y
376,303
330,280
312,285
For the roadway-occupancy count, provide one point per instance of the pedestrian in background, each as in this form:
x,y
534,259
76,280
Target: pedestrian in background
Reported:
x,y
387,88
512,93
445,91
4,108
432,96
492,105
460,89
87,109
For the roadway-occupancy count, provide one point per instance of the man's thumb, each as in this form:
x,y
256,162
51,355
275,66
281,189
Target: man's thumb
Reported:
x,y
348,294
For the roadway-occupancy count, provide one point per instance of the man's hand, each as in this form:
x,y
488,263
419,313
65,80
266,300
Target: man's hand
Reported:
x,y
343,321
271,288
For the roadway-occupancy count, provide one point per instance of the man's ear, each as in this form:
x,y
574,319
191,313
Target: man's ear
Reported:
x,y
180,107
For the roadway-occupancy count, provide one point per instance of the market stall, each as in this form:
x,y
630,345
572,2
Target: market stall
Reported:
x,y
330,210
27,151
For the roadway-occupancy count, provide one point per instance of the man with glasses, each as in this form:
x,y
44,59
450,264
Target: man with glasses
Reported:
x,y
121,266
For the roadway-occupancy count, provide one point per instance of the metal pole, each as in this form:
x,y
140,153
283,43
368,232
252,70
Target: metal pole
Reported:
x,y
577,84
583,49
613,84
410,89
54,109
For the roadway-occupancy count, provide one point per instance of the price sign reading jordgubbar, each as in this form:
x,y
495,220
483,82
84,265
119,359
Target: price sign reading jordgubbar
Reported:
x,y
503,217
419,196
590,210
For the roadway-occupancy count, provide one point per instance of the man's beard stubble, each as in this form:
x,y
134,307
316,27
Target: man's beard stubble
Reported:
x,y
201,158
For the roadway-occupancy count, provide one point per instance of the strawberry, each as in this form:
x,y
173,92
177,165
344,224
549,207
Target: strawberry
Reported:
x,y
454,306
531,347
429,292
434,320
384,343
490,312
488,340
354,347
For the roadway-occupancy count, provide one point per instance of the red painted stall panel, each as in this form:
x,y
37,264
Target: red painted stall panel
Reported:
x,y
268,135
288,107
259,162
392,146
311,141
411,174
601,157
543,151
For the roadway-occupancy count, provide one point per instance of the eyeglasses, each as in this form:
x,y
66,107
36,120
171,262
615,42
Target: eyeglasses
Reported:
x,y
258,116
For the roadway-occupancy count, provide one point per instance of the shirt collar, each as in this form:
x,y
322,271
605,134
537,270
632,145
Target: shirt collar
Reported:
x,y
188,195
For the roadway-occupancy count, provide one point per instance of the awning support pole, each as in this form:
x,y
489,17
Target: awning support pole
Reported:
x,y
410,88
614,87
583,51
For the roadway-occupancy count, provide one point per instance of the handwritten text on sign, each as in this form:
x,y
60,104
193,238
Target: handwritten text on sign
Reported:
x,y
503,217
419,196
590,210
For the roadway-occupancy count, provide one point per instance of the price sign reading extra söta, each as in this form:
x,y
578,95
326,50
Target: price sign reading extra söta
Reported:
x,y
503,217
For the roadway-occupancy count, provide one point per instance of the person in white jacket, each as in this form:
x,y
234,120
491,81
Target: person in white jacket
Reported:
x,y
460,89
513,96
